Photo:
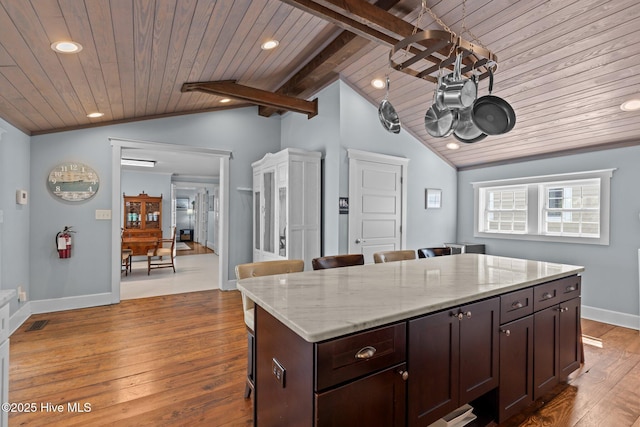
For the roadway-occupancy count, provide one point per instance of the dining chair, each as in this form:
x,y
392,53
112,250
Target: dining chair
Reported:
x,y
125,255
390,256
431,252
333,261
163,254
258,269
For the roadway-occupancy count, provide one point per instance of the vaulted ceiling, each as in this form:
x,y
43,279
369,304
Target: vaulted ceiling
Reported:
x,y
565,66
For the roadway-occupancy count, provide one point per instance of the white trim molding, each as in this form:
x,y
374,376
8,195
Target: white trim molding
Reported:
x,y
117,144
611,317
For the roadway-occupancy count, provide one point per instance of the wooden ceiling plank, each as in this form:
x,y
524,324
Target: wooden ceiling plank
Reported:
x,y
183,18
256,96
198,34
162,31
84,69
30,53
223,21
99,13
122,22
26,115
143,19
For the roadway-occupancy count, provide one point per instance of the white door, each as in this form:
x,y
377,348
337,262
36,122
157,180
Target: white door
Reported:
x,y
376,203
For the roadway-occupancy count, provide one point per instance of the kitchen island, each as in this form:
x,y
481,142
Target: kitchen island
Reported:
x,y
405,343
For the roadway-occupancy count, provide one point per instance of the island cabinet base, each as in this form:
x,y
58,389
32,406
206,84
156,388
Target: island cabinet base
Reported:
x,y
499,354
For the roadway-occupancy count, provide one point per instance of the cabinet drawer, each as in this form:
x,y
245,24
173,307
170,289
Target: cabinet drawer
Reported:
x,y
516,305
555,292
346,358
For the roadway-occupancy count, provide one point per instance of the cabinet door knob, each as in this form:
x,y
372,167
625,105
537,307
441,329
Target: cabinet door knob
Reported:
x,y
404,375
507,332
459,316
468,314
366,352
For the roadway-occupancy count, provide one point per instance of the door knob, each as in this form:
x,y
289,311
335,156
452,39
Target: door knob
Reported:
x,y
360,240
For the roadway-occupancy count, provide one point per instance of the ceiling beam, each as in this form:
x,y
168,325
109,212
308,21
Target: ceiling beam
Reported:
x,y
373,23
256,96
320,70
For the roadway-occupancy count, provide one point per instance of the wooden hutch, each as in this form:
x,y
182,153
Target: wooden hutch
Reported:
x,y
142,223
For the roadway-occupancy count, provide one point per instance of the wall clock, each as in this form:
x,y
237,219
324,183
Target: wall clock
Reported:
x,y
73,181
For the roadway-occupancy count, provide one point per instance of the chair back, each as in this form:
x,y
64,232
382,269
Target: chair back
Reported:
x,y
431,252
334,261
268,268
263,268
390,256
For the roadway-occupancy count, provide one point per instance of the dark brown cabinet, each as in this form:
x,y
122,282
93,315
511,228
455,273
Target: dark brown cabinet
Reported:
x,y
376,400
557,344
516,367
452,359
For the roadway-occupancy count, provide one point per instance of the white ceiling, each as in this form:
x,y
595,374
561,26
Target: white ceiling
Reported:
x,y
183,164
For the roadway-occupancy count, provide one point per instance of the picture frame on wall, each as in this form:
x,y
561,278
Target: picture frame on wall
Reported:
x,y
182,203
432,198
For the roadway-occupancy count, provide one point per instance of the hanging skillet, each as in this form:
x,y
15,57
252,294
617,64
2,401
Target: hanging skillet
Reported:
x,y
387,114
491,114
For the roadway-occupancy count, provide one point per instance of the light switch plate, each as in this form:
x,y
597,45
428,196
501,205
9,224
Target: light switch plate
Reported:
x,y
103,213
1,216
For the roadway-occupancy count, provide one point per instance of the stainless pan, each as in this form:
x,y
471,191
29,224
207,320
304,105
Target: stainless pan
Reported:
x,y
458,92
387,114
440,121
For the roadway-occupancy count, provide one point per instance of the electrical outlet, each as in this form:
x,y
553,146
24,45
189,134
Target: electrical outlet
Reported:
x,y
23,297
278,371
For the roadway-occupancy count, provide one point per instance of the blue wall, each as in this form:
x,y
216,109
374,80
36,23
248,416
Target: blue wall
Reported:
x,y
348,121
14,228
610,281
88,272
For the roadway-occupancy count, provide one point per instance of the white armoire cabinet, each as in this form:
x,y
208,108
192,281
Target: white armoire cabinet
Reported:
x,y
286,206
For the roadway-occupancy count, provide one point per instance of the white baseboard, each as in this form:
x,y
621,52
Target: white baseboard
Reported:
x,y
229,285
19,317
70,303
612,317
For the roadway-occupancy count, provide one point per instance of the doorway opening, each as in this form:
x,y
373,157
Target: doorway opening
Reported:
x,y
178,168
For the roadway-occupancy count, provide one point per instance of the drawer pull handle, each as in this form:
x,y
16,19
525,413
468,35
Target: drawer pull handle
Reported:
x,y
517,304
547,295
404,375
571,288
366,352
507,332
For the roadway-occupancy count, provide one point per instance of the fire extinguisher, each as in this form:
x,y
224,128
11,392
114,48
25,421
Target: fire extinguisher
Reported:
x,y
63,242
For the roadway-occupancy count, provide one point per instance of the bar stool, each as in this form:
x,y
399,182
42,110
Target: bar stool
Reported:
x,y
390,256
334,261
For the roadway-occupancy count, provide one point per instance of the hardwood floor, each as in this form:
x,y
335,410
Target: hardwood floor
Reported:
x,y
196,249
180,360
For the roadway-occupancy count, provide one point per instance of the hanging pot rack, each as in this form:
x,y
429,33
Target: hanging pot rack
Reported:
x,y
476,58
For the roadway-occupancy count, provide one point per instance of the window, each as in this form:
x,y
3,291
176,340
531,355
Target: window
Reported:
x,y
563,208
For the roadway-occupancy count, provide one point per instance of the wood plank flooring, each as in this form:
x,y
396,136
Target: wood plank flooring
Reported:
x,y
180,360
196,249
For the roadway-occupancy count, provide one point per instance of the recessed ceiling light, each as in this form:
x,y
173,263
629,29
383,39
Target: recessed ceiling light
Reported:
x,y
225,100
378,83
137,162
66,47
631,105
269,44
453,145
95,115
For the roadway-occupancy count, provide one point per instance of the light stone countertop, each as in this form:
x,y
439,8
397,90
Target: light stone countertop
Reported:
x,y
6,296
324,304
